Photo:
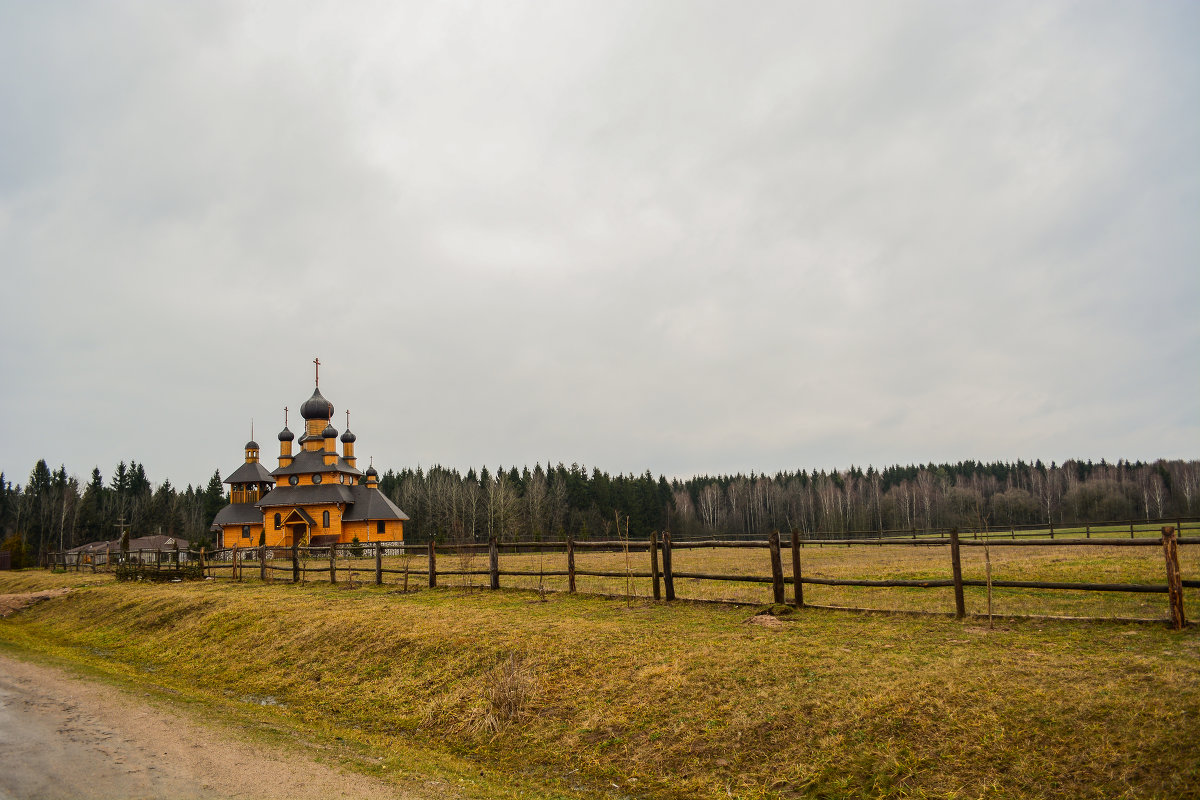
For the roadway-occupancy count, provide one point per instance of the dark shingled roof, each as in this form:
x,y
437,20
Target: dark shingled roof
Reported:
x,y
317,407
156,542
370,503
307,461
253,472
238,514
306,495
362,502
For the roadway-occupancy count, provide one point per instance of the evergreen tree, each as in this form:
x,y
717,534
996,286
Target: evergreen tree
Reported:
x,y
214,498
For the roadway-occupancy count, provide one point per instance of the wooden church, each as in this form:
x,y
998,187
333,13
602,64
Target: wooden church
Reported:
x,y
315,497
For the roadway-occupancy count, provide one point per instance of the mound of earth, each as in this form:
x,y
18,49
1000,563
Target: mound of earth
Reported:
x,y
15,602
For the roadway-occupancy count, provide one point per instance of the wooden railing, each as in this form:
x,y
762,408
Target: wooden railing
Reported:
x,y
378,561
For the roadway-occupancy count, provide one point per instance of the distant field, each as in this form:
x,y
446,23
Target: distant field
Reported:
x,y
587,697
1092,564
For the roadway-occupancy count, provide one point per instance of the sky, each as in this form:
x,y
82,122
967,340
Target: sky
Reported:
x,y
684,237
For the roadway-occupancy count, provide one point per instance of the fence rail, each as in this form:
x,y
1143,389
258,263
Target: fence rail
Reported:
x,y
422,562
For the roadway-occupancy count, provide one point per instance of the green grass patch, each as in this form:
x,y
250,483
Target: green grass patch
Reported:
x,y
593,697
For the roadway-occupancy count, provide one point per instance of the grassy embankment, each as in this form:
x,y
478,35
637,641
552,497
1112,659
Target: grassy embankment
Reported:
x,y
580,694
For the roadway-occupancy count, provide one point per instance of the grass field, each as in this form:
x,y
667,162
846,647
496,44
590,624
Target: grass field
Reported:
x,y
588,697
1069,564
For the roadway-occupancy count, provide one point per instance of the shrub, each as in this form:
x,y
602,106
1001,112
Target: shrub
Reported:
x,y
16,549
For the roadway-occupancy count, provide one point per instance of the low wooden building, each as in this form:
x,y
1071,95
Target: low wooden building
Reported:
x,y
143,547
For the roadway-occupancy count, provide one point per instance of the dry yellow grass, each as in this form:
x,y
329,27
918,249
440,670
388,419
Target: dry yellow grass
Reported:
x,y
664,701
1093,564
32,580
1070,564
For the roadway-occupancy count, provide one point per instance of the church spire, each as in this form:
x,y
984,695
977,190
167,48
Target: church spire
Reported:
x,y
348,439
285,442
317,411
251,446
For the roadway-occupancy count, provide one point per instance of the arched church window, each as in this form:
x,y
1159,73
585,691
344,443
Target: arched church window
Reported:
x,y
278,522
324,519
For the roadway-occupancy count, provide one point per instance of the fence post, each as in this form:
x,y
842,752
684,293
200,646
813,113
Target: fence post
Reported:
x,y
203,568
378,565
1087,531
295,559
432,566
494,563
1051,529
1174,579
960,609
262,563
1130,529
797,583
571,564
668,573
654,565
776,567
332,564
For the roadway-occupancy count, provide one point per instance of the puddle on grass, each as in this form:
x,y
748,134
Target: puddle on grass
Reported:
x,y
262,700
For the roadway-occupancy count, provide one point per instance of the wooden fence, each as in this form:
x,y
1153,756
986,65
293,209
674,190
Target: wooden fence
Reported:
x,y
1025,530
376,562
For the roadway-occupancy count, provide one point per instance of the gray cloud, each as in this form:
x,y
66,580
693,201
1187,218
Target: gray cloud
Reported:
x,y
685,237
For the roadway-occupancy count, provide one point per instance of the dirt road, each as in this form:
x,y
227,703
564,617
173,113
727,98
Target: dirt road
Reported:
x,y
66,737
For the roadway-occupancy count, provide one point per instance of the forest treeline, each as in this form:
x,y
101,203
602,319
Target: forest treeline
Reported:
x,y
555,501
53,509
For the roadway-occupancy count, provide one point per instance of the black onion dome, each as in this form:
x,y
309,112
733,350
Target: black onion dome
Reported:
x,y
285,435
251,445
330,432
371,473
348,437
317,407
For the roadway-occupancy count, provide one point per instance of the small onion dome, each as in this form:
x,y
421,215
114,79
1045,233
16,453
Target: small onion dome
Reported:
x,y
285,435
251,445
348,437
330,432
371,473
317,407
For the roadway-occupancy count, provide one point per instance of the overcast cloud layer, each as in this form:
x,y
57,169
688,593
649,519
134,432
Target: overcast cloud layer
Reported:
x,y
688,237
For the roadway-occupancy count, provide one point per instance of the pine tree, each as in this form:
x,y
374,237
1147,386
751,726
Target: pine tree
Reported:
x,y
214,498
